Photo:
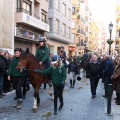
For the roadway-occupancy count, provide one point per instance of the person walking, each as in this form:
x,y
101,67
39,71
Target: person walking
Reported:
x,y
116,80
95,69
108,72
17,76
73,70
42,55
58,76
2,73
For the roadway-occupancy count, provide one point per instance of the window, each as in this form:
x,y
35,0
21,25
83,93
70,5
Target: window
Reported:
x,y
73,24
63,29
44,16
50,3
64,9
69,14
73,10
27,7
18,5
57,26
68,32
50,24
57,4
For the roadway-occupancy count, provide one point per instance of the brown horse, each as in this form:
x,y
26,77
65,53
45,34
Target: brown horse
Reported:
x,y
29,62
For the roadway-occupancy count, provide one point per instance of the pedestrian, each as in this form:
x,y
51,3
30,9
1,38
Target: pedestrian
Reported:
x,y
58,76
108,72
95,70
7,83
42,55
2,73
62,53
17,76
73,70
116,81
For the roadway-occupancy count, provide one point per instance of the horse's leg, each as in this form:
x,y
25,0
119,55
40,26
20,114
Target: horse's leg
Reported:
x,y
35,108
38,99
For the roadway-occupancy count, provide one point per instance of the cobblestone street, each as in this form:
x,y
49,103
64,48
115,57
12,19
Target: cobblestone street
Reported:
x,y
78,105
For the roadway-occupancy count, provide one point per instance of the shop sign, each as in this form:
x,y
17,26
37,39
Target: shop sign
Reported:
x,y
34,22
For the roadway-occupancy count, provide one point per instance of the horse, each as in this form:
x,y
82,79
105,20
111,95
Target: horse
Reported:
x,y
29,62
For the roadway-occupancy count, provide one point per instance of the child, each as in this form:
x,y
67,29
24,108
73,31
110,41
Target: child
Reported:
x,y
58,75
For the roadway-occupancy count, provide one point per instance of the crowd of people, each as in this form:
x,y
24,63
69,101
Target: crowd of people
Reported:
x,y
57,67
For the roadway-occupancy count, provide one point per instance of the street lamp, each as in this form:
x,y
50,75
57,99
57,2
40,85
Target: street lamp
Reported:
x,y
109,41
85,44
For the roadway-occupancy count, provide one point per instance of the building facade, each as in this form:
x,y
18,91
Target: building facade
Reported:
x,y
78,27
30,23
7,25
59,17
117,38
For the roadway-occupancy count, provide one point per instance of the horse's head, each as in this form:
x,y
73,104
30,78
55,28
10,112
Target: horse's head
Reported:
x,y
24,60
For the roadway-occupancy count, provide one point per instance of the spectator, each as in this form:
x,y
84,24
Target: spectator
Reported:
x,y
73,70
116,80
94,69
17,76
7,83
2,73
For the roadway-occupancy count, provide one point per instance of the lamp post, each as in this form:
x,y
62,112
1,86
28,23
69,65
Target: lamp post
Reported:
x,y
85,44
110,41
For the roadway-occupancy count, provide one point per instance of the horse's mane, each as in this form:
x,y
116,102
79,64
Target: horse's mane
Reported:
x,y
24,54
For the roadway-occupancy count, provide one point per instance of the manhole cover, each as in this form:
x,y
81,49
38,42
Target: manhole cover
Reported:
x,y
8,110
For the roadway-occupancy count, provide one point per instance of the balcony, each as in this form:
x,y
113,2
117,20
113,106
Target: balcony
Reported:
x,y
83,33
78,32
83,21
21,17
117,47
78,17
28,35
24,10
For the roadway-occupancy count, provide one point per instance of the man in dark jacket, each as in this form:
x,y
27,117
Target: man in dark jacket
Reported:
x,y
17,76
95,70
2,73
108,72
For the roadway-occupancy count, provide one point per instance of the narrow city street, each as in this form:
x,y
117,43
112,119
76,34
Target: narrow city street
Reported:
x,y
78,105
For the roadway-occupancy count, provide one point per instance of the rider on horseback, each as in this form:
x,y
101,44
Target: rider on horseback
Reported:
x,y
42,54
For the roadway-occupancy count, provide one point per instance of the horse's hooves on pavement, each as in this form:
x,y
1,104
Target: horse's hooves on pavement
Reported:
x,y
34,110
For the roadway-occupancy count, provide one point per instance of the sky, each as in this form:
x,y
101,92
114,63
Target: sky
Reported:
x,y
103,10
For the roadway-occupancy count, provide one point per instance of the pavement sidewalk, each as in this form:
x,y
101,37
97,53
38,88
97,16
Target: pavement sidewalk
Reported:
x,y
78,105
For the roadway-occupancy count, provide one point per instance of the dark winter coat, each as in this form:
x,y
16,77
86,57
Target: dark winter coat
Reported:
x,y
76,68
94,69
109,68
13,71
42,54
2,67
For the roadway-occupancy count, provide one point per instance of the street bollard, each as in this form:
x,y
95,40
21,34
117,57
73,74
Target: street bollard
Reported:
x,y
110,92
106,87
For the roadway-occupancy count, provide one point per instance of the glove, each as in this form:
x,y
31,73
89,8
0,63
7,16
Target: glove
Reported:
x,y
63,83
35,70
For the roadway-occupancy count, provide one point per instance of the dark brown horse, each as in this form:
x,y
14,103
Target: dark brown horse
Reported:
x,y
29,62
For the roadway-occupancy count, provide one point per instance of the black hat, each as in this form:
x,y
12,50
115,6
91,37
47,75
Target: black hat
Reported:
x,y
78,78
42,39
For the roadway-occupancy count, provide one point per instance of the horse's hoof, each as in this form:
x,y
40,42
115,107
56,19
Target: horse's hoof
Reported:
x,y
34,110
